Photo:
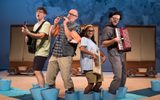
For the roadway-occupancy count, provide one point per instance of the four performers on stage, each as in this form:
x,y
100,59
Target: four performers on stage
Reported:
x,y
67,36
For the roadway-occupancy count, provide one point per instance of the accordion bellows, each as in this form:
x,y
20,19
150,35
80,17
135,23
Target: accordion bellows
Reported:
x,y
125,43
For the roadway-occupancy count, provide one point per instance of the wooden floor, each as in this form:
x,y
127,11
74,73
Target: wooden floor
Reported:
x,y
25,82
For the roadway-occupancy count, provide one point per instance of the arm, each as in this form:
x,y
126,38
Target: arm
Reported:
x,y
66,30
76,36
71,35
55,28
26,31
107,40
84,50
42,32
103,56
107,43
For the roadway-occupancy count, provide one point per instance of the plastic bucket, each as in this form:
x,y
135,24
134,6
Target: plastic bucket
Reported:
x,y
36,93
82,96
97,95
121,92
71,95
37,86
50,94
155,85
105,94
5,85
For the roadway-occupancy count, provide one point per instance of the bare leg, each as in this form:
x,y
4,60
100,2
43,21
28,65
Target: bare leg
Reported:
x,y
40,78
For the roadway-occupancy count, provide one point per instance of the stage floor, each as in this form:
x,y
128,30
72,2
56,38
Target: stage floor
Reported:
x,y
25,82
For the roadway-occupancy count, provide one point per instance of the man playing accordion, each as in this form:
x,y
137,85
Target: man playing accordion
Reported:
x,y
115,56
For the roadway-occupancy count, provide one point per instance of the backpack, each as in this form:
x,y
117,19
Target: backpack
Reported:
x,y
32,41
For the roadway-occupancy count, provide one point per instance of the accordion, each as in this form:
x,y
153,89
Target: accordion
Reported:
x,y
125,44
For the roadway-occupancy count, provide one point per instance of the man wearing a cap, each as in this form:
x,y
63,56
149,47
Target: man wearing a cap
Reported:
x,y
115,57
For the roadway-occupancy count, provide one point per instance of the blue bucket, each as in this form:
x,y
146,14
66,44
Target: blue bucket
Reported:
x,y
5,85
121,92
36,93
71,95
50,94
105,94
155,85
37,86
97,95
82,96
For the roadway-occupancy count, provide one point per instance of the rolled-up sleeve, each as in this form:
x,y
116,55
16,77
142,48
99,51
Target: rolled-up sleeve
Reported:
x,y
76,33
105,34
83,42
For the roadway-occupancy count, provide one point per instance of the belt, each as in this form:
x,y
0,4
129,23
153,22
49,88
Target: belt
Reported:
x,y
59,56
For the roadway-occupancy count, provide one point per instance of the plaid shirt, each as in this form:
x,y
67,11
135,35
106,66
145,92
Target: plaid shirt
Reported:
x,y
61,38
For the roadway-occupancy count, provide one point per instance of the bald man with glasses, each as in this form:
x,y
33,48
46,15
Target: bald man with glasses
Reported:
x,y
67,38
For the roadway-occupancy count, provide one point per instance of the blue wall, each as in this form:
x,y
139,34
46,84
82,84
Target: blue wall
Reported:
x,y
136,12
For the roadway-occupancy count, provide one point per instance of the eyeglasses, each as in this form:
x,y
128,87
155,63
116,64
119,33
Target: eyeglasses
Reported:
x,y
40,11
90,30
73,14
115,18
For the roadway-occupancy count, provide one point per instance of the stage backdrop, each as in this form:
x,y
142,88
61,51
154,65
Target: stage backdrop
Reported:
x,y
135,12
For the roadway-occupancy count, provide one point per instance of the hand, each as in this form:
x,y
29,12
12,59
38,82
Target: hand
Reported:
x,y
66,20
103,59
94,56
25,30
117,39
56,20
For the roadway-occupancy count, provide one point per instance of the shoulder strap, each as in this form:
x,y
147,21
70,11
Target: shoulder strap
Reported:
x,y
43,39
39,27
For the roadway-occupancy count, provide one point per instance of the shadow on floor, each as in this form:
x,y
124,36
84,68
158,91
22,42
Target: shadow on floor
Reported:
x,y
145,92
29,97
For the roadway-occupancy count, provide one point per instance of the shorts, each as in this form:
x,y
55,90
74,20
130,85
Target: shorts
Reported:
x,y
93,78
39,62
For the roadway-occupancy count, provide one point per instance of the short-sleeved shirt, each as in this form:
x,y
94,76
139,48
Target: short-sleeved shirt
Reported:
x,y
42,50
62,47
86,60
108,34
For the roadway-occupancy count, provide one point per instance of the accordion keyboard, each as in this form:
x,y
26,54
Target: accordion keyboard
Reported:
x,y
120,45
